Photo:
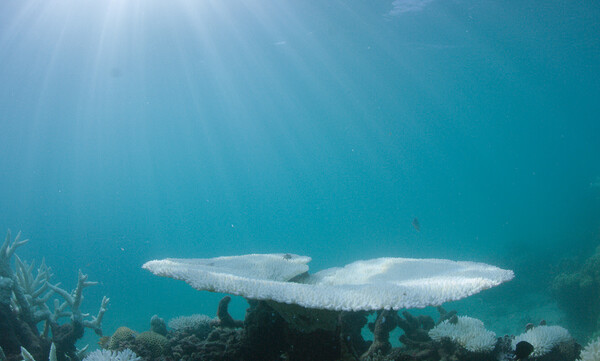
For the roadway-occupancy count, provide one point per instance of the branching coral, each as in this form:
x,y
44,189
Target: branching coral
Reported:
x,y
24,302
73,301
385,323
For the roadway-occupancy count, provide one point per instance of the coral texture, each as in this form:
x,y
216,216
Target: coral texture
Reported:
x,y
158,325
122,334
152,341
25,295
265,335
105,355
543,338
468,332
382,283
591,352
578,294
192,322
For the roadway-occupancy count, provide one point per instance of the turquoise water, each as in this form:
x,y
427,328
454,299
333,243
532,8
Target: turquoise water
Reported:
x,y
137,130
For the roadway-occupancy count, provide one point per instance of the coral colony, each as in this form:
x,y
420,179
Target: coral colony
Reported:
x,y
293,315
24,299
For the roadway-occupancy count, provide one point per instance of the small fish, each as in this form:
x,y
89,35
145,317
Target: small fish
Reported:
x,y
416,224
523,350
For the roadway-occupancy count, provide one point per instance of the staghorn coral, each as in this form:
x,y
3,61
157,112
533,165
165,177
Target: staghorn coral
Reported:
x,y
24,299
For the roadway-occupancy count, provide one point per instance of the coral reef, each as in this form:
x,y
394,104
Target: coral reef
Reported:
x,y
386,322
591,351
105,355
265,335
543,338
158,325
121,335
27,356
416,329
467,332
150,343
366,285
351,325
198,325
223,316
24,299
578,294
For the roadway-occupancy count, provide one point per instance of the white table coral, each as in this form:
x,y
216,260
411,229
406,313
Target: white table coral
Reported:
x,y
382,283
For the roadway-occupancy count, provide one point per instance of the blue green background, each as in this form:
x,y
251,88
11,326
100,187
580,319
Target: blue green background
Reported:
x,y
139,130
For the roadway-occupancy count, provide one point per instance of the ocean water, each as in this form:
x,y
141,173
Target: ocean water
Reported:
x,y
136,130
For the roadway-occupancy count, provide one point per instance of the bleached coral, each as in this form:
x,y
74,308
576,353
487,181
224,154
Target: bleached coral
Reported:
x,y
29,294
591,352
543,338
27,356
375,284
468,332
35,289
105,355
191,322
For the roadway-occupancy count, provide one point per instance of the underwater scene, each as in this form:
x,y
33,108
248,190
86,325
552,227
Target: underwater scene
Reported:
x,y
303,180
